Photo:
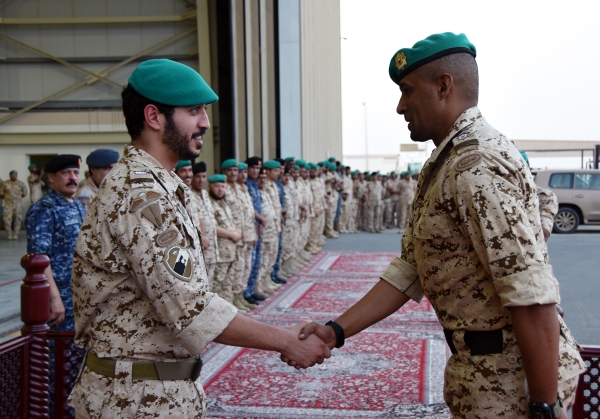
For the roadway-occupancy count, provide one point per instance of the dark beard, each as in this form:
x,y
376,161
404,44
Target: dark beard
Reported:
x,y
215,197
177,142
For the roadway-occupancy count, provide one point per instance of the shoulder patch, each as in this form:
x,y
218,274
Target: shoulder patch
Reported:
x,y
467,162
179,263
147,203
166,237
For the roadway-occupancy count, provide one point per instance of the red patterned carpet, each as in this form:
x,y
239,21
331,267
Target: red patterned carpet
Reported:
x,y
394,369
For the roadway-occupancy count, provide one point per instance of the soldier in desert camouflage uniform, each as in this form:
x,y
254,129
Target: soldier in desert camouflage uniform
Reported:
x,y
13,191
474,247
374,201
143,310
319,206
228,235
205,219
35,183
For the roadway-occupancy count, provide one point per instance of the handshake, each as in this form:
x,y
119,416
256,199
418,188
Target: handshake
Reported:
x,y
308,344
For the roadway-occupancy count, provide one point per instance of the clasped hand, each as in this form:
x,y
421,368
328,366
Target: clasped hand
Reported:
x,y
311,345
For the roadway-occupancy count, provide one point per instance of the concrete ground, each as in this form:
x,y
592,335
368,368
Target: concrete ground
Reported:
x,y
574,258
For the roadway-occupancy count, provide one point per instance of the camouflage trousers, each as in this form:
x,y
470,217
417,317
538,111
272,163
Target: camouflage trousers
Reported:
x,y
290,239
270,247
316,232
374,217
224,280
388,213
352,213
365,216
489,386
12,217
402,209
330,216
242,267
360,215
304,227
210,273
99,397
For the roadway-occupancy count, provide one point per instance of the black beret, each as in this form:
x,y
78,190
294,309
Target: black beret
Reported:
x,y
102,157
253,161
62,162
199,168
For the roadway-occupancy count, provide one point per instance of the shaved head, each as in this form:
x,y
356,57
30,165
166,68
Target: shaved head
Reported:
x,y
463,69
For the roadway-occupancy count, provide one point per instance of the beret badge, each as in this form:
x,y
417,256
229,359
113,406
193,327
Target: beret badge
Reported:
x,y
400,61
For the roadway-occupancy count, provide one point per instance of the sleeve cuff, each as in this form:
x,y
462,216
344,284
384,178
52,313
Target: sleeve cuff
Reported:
x,y
533,286
404,277
209,324
547,222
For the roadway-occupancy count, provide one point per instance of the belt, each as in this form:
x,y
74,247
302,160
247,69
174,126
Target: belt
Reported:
x,y
480,343
148,370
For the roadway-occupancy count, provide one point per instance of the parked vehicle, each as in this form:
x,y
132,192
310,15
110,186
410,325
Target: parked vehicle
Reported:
x,y
578,193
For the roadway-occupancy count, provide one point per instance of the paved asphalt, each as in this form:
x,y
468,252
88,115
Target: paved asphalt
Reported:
x,y
574,257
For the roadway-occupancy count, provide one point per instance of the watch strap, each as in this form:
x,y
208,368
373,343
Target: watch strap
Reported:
x,y
340,338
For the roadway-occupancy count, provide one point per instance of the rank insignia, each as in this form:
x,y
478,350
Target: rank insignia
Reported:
x,y
179,263
400,61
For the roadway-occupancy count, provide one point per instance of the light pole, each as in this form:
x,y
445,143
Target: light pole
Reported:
x,y
366,138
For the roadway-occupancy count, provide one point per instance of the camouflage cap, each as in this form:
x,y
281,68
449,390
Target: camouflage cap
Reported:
x,y
429,49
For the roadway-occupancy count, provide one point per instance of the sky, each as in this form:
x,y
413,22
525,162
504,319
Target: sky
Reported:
x,y
539,66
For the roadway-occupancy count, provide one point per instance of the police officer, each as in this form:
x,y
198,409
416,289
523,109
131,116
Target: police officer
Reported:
x,y
142,305
100,162
13,191
474,247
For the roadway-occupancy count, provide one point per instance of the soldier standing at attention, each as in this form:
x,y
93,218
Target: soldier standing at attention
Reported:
x,y
373,193
35,183
142,305
407,194
100,162
206,218
13,191
249,233
474,247
228,235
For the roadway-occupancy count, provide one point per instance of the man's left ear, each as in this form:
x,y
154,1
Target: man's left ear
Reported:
x,y
444,84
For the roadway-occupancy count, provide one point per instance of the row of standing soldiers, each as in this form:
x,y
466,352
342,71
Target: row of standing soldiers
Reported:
x,y
261,223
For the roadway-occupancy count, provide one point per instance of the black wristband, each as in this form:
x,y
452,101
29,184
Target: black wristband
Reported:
x,y
339,333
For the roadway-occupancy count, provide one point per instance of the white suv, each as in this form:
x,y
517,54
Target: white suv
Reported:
x,y
578,193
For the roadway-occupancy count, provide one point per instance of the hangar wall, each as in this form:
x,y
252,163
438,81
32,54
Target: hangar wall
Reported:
x,y
63,64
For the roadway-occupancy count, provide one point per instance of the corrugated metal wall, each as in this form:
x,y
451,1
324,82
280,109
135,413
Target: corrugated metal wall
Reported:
x,y
321,79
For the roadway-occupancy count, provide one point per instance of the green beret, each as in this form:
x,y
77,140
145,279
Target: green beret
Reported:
x,y
242,166
368,177
331,166
342,166
31,166
12,172
229,163
182,163
272,164
289,159
217,178
524,155
331,159
321,163
392,172
301,163
312,166
171,83
429,49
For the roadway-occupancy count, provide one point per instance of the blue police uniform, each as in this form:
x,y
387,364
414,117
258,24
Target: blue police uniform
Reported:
x,y
53,225
256,251
277,265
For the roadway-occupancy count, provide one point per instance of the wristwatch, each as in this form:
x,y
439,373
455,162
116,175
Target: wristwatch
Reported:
x,y
339,333
545,410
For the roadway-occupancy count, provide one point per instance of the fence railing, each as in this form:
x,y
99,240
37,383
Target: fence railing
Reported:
x,y
25,369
